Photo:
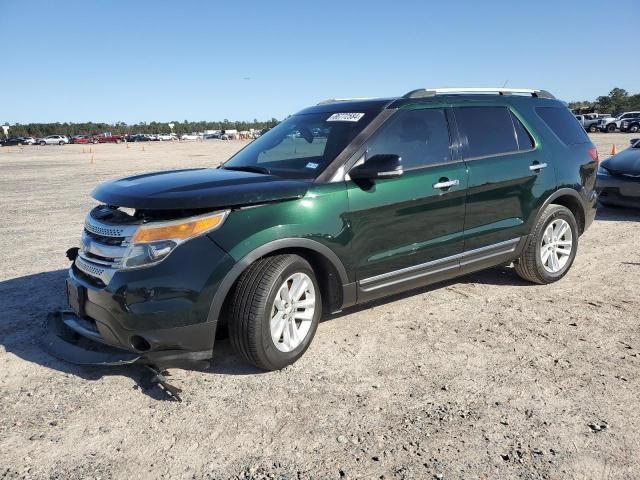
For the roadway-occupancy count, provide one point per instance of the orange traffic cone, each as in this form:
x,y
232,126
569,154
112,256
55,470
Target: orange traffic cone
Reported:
x,y
614,149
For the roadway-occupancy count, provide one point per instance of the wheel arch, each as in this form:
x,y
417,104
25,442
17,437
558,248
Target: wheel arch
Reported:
x,y
331,273
571,199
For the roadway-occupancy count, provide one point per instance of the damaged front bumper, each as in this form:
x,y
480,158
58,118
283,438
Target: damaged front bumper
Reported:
x,y
67,338
158,316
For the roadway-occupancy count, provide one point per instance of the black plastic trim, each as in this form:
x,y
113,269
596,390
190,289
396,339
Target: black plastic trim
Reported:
x,y
281,244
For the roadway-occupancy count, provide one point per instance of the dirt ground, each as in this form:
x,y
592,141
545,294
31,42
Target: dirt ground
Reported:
x,y
486,377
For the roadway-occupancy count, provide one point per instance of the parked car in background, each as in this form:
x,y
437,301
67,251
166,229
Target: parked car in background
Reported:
x,y
402,192
163,137
611,124
103,138
138,137
12,141
631,125
53,140
81,139
191,136
618,182
29,141
590,121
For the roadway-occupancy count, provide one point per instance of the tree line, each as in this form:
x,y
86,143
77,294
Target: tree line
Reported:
x,y
618,101
121,128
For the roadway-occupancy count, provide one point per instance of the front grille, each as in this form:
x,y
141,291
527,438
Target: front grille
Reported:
x,y
89,268
103,246
104,239
104,231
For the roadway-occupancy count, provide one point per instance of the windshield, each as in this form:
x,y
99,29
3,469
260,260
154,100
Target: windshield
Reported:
x,y
301,146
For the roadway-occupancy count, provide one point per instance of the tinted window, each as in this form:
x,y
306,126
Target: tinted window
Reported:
x,y
420,137
563,124
487,130
525,142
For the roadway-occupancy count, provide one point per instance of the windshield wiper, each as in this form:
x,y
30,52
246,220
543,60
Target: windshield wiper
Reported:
x,y
249,168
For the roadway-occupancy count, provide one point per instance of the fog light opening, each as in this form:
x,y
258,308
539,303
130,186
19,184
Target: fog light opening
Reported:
x,y
140,344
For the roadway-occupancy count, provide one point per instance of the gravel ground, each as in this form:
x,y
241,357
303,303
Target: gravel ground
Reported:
x,y
487,377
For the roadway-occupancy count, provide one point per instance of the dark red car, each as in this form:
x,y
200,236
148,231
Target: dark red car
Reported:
x,y
81,139
107,139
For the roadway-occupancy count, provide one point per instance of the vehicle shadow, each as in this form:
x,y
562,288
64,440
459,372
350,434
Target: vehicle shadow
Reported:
x,y
25,303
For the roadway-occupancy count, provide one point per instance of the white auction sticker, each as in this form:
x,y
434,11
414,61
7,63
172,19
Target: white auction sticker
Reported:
x,y
312,165
345,117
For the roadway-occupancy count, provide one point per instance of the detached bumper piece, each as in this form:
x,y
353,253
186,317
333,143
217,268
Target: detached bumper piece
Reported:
x,y
77,340
68,338
63,341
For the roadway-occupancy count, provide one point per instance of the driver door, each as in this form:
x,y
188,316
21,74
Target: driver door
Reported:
x,y
408,230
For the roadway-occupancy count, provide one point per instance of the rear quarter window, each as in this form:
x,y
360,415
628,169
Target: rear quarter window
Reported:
x,y
563,124
486,131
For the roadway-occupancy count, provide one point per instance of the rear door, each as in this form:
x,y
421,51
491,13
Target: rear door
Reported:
x,y
508,180
409,230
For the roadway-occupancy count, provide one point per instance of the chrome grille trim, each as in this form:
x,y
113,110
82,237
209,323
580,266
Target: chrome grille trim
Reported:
x,y
87,268
115,231
104,231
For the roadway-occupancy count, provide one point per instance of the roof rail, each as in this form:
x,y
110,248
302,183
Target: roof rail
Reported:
x,y
336,100
432,92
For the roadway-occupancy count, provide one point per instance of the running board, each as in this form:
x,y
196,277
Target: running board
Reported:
x,y
440,266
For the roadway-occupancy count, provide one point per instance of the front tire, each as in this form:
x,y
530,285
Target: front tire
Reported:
x,y
552,247
634,128
275,309
611,127
593,129
43,143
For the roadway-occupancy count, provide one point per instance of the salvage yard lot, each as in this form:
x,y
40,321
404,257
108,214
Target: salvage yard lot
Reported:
x,y
481,378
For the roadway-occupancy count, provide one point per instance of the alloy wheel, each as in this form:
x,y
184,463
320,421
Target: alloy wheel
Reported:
x,y
556,245
292,312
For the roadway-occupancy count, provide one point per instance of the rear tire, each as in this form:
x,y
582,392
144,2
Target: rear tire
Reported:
x,y
43,143
259,310
611,128
548,242
593,129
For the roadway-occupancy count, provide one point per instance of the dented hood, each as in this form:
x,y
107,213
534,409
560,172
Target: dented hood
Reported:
x,y
197,188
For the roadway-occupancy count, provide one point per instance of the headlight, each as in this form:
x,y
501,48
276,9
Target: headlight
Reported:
x,y
154,242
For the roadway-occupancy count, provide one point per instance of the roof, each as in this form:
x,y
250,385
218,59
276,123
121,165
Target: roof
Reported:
x,y
377,104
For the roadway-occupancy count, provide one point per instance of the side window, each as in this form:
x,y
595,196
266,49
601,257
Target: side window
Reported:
x,y
525,142
488,131
563,124
420,137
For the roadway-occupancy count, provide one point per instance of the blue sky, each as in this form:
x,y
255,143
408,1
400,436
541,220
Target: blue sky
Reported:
x,y
158,60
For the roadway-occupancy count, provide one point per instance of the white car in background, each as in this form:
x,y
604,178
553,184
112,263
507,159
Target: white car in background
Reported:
x,y
163,137
53,140
611,124
29,141
191,136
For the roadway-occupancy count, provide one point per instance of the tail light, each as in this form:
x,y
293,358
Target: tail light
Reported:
x,y
593,153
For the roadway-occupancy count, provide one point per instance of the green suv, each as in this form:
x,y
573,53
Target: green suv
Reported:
x,y
342,203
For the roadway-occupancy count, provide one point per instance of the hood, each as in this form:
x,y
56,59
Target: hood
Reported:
x,y
197,188
627,161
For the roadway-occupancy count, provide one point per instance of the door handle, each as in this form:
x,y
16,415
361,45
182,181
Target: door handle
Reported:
x,y
536,167
446,184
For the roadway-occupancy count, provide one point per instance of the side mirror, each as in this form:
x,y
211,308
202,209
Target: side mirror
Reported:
x,y
633,141
378,167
